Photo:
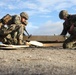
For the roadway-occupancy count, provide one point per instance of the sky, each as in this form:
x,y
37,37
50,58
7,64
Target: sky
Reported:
x,y
43,14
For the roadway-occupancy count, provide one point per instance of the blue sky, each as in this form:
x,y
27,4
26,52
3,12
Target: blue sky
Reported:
x,y
43,14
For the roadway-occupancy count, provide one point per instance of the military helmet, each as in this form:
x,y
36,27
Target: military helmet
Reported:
x,y
24,14
63,14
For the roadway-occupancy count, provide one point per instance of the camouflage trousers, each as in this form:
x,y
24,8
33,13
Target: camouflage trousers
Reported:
x,y
14,34
70,42
10,39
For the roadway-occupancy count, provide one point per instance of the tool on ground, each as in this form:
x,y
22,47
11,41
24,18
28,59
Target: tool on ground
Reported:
x,y
28,34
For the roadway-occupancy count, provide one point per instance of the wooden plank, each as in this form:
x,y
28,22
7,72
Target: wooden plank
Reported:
x,y
46,38
13,46
5,46
52,44
40,44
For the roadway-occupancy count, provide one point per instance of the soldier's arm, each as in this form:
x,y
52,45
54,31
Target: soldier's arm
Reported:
x,y
17,20
73,19
64,31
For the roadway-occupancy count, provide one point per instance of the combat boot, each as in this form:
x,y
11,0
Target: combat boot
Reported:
x,y
4,40
20,42
69,45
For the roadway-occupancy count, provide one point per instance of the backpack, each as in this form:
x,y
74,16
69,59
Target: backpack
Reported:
x,y
6,18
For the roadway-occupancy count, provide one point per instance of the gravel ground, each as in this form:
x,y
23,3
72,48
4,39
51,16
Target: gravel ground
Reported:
x,y
38,61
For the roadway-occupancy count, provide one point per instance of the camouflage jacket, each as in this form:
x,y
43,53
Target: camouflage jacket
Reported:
x,y
69,25
12,25
16,20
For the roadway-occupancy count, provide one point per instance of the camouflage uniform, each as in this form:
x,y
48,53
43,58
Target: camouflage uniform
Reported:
x,y
69,26
15,30
19,34
3,32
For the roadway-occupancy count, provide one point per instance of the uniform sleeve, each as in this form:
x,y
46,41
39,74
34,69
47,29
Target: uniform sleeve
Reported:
x,y
73,17
17,20
74,20
64,31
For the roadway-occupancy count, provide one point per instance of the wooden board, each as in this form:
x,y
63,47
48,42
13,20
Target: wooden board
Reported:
x,y
4,46
54,38
30,44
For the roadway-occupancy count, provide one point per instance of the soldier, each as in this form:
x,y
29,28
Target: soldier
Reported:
x,y
22,22
16,25
69,26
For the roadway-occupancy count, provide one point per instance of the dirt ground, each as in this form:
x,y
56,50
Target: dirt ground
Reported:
x,y
38,61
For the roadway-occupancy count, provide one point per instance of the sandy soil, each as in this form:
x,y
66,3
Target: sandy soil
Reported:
x,y
38,61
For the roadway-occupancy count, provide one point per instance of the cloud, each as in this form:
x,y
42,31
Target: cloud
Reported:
x,y
39,9
48,28
2,4
30,27
39,6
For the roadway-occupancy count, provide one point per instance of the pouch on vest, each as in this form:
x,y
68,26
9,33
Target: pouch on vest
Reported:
x,y
6,18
